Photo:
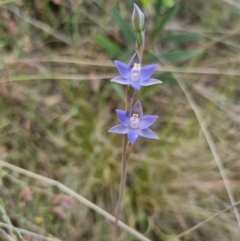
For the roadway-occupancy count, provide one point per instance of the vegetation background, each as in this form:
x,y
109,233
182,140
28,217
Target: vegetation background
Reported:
x,y
57,103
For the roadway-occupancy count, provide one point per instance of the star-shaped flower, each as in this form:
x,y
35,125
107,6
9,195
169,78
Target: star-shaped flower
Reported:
x,y
134,74
134,124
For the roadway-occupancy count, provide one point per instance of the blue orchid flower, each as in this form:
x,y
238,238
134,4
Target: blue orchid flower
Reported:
x,y
134,74
134,124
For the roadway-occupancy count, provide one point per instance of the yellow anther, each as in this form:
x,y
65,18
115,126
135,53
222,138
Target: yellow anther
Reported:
x,y
137,65
135,115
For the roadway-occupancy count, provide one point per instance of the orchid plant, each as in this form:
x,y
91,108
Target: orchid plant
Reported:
x,y
132,121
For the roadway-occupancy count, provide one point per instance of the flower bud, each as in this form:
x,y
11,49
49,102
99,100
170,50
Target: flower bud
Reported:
x,y
137,19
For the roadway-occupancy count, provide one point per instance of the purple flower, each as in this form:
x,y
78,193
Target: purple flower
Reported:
x,y
134,124
134,74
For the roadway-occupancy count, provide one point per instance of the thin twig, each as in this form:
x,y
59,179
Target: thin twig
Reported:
x,y
7,220
76,196
6,236
4,218
203,222
212,147
23,231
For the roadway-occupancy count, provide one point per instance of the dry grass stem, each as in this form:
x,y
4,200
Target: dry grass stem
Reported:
x,y
6,236
6,219
212,146
78,197
190,230
42,26
23,231
233,3
88,62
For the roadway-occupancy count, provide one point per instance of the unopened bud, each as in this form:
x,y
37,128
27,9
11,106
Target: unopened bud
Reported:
x,y
137,19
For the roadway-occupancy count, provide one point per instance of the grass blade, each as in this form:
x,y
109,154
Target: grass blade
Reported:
x,y
166,18
109,46
124,26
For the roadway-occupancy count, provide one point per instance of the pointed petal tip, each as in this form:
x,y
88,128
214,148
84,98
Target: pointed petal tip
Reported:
x,y
120,80
117,61
157,82
137,108
151,82
132,136
146,121
156,138
148,133
113,80
111,130
119,129
134,59
137,104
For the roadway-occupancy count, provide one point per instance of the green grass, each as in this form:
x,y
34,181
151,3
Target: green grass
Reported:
x,y
57,104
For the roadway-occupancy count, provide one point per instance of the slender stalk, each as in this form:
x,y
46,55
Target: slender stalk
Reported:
x,y
129,98
138,22
123,179
126,151
127,148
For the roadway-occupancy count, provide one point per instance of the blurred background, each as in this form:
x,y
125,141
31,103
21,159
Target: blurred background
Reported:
x,y
57,104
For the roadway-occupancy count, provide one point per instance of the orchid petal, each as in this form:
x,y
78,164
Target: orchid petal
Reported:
x,y
120,129
147,121
147,133
135,85
132,135
124,118
151,82
134,60
147,71
123,69
120,80
137,109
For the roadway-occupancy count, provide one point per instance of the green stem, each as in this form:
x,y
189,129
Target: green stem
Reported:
x,y
126,151
123,178
140,43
